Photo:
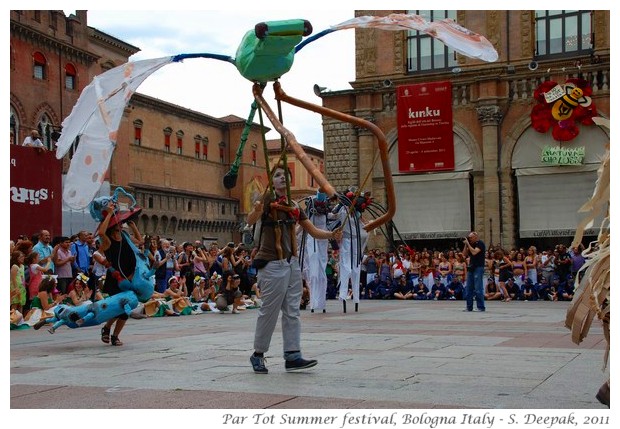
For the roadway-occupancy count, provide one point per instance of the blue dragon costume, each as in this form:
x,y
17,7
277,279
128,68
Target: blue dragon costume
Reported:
x,y
138,289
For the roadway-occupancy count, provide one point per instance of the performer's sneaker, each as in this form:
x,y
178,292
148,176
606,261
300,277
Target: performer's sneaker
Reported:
x,y
258,364
299,364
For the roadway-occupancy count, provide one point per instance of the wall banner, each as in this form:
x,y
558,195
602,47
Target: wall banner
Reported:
x,y
36,191
425,138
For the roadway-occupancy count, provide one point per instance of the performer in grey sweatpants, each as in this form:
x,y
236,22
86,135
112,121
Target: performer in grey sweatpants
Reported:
x,y
280,288
279,274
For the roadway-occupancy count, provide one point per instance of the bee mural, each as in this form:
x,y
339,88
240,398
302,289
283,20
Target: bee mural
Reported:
x,y
562,108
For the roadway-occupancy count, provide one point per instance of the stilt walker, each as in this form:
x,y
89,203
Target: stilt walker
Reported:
x,y
314,251
354,241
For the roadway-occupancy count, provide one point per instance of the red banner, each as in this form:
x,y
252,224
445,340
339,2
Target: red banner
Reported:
x,y
425,140
36,191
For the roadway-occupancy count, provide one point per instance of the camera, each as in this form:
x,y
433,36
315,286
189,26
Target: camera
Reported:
x,y
231,244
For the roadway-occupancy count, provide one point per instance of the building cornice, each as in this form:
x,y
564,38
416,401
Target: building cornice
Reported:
x,y
167,191
143,100
39,38
124,48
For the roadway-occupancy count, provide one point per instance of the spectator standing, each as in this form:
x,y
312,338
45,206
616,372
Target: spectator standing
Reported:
x,y
100,266
331,271
229,262
398,270
214,260
503,266
519,268
185,261
578,260
201,261
63,259
547,265
445,268
45,249
459,268
414,270
80,249
371,266
32,263
563,263
532,261
475,249
385,269
165,265
18,290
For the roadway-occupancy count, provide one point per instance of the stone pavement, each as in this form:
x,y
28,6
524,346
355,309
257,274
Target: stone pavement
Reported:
x,y
389,355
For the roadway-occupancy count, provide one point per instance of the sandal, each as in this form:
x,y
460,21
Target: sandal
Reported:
x,y
116,341
105,335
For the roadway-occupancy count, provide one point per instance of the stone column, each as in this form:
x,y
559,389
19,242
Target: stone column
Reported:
x,y
488,215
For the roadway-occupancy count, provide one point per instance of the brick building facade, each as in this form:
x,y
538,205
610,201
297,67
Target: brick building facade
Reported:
x,y
170,158
499,186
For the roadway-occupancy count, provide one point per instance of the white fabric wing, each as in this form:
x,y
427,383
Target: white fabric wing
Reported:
x,y
460,39
95,118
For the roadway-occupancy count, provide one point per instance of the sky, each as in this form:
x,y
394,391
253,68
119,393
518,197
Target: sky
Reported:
x,y
215,87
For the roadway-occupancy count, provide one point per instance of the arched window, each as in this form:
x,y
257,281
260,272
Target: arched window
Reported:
x,y
137,132
205,147
197,141
180,135
563,32
425,52
39,66
167,134
70,77
222,153
46,128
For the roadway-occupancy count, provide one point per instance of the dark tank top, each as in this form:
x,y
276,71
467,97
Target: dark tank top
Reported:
x,y
121,256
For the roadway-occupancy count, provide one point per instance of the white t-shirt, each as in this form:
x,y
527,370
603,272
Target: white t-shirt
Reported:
x,y
29,141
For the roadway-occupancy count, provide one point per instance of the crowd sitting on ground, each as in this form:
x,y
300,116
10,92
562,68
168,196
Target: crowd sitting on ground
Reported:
x,y
192,277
